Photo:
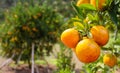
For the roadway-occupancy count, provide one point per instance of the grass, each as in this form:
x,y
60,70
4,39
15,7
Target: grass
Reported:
x,y
37,62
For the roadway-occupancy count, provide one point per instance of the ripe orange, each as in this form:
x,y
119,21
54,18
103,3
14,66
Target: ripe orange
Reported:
x,y
100,34
87,50
110,60
26,28
70,37
13,39
9,33
79,2
34,29
101,4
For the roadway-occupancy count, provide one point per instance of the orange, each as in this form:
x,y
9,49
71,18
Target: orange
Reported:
x,y
87,50
79,2
26,28
100,34
70,37
9,33
13,39
110,60
101,4
34,29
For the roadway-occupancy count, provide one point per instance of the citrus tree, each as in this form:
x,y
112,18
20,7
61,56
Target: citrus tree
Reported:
x,y
94,37
26,24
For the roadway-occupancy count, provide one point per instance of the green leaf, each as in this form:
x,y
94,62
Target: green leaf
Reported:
x,y
79,26
113,16
75,20
78,10
87,6
90,16
108,2
113,12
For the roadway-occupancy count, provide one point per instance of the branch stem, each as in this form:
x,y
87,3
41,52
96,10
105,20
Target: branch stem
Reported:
x,y
32,55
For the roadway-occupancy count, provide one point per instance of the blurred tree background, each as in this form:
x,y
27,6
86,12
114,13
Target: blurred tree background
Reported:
x,y
40,21
64,6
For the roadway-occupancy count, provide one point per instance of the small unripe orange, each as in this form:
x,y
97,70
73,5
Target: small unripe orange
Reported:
x,y
110,60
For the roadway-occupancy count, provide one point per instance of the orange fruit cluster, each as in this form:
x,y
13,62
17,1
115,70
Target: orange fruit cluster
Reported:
x,y
86,49
100,5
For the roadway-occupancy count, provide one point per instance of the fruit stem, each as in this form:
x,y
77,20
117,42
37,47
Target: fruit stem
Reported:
x,y
87,28
100,19
115,33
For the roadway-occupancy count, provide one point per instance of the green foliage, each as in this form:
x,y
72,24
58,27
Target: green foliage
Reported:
x,y
26,24
65,71
113,11
62,6
64,62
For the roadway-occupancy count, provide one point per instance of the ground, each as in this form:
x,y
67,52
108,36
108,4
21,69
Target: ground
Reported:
x,y
25,69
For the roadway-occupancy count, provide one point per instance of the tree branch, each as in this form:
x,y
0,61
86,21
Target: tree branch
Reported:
x,y
32,55
7,61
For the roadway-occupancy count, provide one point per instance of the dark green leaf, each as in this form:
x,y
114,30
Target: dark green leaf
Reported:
x,y
113,9
113,16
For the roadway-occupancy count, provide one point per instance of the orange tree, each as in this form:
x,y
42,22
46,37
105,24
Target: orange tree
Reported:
x,y
97,22
26,24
